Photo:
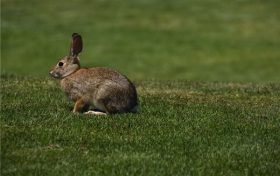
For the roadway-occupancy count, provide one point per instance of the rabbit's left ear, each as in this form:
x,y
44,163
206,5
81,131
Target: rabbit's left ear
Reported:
x,y
76,45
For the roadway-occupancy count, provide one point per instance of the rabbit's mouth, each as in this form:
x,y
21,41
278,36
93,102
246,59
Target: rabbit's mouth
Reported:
x,y
55,74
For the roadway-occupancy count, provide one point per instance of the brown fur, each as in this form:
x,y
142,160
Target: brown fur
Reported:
x,y
102,89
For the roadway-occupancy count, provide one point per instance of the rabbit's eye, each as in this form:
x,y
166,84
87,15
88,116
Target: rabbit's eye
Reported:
x,y
60,64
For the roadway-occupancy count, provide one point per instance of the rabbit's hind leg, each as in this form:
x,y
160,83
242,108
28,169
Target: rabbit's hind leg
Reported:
x,y
95,113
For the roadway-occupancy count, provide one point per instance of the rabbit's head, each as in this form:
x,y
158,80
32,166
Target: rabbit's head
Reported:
x,y
71,63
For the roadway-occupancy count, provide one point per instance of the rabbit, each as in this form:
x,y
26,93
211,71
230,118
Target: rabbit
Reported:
x,y
99,90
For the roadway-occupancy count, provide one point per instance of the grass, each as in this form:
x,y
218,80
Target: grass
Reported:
x,y
184,128
207,74
209,40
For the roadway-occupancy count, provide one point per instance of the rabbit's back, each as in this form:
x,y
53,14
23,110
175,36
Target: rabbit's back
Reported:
x,y
104,88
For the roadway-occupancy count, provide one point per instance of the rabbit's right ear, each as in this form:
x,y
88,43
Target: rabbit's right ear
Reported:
x,y
76,45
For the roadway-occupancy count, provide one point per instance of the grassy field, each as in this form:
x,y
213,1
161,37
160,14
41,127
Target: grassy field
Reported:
x,y
207,74
213,40
184,128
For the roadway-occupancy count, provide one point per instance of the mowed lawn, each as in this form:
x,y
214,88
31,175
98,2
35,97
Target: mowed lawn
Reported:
x,y
183,128
213,40
207,75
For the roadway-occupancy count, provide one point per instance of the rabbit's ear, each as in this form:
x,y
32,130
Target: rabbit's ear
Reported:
x,y
76,45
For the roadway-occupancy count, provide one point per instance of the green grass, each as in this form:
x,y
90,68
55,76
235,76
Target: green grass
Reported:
x,y
209,40
207,74
183,128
